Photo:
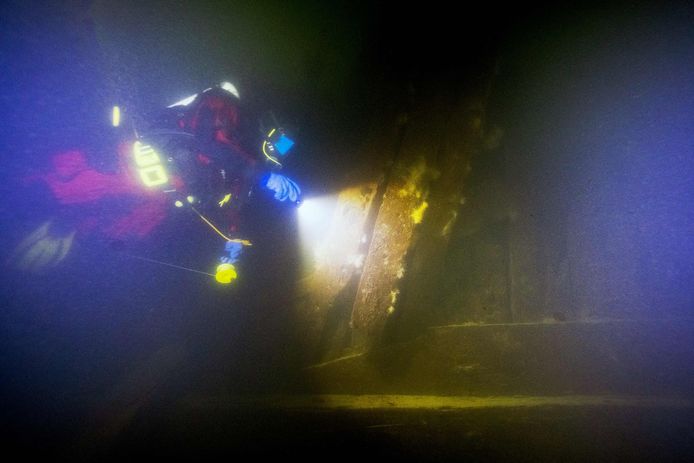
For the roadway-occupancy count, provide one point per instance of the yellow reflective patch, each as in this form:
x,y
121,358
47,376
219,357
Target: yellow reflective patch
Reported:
x,y
115,116
225,200
147,160
267,146
153,176
145,155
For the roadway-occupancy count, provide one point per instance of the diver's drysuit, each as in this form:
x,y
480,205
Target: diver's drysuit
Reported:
x,y
209,166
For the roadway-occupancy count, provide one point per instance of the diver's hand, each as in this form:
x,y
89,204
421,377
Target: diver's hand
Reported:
x,y
232,252
284,188
42,249
226,272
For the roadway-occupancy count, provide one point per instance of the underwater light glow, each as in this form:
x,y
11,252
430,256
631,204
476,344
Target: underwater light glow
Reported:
x,y
331,229
314,216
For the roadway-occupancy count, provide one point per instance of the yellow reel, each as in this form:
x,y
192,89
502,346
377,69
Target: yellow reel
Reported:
x,y
226,273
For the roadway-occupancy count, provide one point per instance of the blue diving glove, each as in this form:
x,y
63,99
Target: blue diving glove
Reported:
x,y
232,252
284,188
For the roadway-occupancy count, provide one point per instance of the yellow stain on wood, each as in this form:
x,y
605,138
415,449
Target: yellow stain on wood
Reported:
x,y
418,214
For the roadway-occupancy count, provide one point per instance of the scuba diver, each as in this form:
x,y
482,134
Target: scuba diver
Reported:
x,y
219,170
197,155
